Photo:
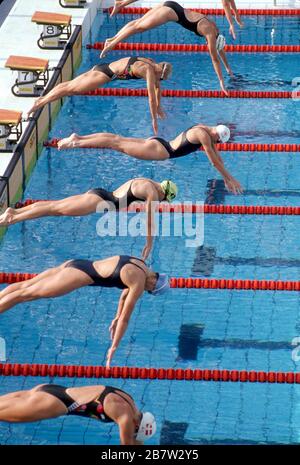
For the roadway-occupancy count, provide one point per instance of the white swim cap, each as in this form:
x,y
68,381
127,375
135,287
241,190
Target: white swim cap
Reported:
x,y
162,284
147,427
220,43
223,132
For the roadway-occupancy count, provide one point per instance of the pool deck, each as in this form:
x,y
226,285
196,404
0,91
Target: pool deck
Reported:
x,y
18,36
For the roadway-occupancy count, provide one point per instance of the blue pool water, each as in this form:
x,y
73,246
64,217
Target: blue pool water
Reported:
x,y
188,328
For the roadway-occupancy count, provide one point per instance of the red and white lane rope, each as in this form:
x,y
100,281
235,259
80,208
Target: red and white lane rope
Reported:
x,y
124,92
206,208
217,11
193,283
229,147
71,371
161,47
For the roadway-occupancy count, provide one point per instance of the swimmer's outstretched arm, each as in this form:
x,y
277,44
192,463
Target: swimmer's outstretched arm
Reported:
x,y
223,57
229,16
212,48
152,97
135,291
152,199
231,184
113,326
160,112
230,11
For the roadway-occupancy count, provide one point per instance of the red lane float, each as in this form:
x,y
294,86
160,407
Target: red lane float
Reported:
x,y
123,92
10,278
137,207
215,11
230,147
153,47
234,284
194,283
179,374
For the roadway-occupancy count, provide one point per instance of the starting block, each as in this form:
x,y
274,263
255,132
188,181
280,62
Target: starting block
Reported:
x,y
57,29
10,129
33,75
72,3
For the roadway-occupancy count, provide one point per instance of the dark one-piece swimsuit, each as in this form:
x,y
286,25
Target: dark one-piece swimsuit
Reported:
x,y
185,147
119,202
124,76
113,280
93,409
182,19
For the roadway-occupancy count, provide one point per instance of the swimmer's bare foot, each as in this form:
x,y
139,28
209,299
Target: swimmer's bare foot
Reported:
x,y
116,8
68,142
108,46
7,217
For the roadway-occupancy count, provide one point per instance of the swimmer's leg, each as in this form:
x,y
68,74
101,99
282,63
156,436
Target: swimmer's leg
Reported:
x,y
76,205
63,282
29,406
29,282
144,149
153,18
84,83
235,13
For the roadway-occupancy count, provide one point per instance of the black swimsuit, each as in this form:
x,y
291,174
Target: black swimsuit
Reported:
x,y
185,148
113,280
119,202
182,19
93,409
124,76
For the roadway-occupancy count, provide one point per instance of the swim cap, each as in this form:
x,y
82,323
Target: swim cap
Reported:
x,y
170,189
220,43
162,284
223,132
147,427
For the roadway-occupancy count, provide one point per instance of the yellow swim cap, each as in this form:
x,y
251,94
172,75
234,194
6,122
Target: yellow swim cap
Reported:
x,y
170,189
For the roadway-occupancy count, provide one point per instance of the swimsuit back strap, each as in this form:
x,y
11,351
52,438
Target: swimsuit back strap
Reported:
x,y
112,390
136,258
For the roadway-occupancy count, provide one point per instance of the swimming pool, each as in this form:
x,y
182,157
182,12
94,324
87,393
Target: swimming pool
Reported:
x,y
189,328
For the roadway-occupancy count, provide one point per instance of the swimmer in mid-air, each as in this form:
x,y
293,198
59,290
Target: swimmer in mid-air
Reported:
x,y
229,6
123,69
122,271
99,199
104,403
231,12
191,20
156,148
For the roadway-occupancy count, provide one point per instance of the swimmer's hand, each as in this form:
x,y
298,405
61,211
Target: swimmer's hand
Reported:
x,y
160,113
113,327
155,126
224,88
109,357
232,185
232,31
238,20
